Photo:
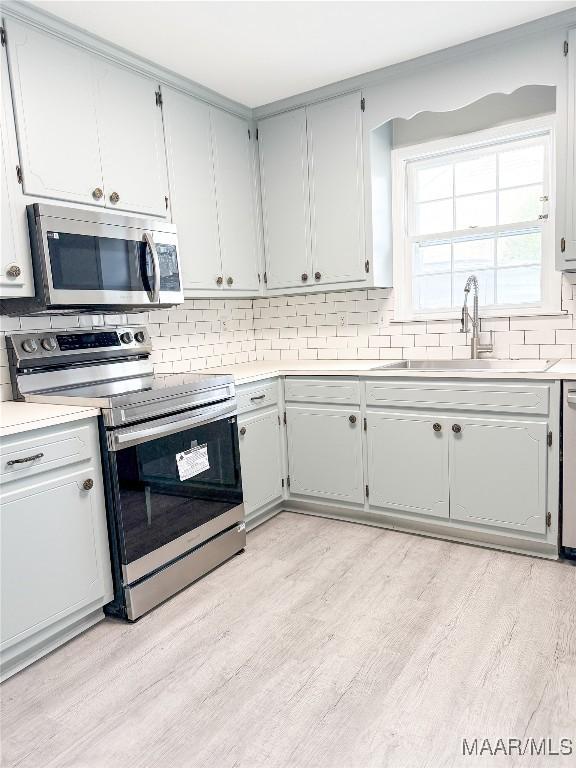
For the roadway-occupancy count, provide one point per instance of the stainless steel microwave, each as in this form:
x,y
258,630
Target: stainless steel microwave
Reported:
x,y
86,261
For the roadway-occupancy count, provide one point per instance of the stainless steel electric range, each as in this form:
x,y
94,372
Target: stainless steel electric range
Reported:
x,y
169,454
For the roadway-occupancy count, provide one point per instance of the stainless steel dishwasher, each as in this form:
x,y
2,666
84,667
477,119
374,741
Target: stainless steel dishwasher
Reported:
x,y
569,470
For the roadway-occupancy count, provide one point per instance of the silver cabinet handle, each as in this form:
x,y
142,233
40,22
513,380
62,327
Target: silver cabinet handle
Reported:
x,y
88,484
97,193
257,397
25,460
242,430
352,419
219,280
317,275
437,427
230,280
114,198
152,245
456,428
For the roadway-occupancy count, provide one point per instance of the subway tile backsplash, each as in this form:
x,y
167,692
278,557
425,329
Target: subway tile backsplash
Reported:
x,y
347,325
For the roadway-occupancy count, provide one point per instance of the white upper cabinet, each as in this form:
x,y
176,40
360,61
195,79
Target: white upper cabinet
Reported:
x,y
53,92
568,255
88,131
235,195
15,261
336,189
285,199
192,190
131,141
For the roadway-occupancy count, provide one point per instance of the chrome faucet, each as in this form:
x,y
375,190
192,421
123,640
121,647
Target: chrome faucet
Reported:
x,y
475,347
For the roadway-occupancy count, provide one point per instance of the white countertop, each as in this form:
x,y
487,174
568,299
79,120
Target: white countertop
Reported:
x,y
257,371
22,417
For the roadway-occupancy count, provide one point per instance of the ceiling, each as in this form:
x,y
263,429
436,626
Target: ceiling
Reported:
x,y
258,52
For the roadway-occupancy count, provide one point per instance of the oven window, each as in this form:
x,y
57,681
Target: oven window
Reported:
x,y
93,263
156,506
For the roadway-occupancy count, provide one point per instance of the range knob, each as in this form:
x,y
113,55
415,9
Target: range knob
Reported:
x,y
49,343
126,337
140,336
29,345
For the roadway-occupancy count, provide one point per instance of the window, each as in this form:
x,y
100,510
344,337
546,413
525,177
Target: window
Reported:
x,y
477,204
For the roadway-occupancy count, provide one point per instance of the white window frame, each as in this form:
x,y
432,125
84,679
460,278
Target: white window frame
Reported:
x,y
402,246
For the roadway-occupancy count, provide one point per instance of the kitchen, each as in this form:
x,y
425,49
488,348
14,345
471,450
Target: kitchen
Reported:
x,y
288,426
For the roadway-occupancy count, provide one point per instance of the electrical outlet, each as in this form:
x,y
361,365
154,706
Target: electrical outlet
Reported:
x,y
341,319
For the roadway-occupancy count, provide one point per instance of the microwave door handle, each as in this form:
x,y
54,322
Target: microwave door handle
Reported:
x,y
571,398
152,245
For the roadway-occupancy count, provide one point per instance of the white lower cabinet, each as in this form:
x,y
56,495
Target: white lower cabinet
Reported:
x,y
55,563
325,452
408,463
498,473
261,460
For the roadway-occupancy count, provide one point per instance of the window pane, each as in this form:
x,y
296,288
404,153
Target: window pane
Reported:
x,y
520,204
486,293
478,175
430,258
521,166
434,183
476,211
519,286
474,254
434,217
519,249
431,292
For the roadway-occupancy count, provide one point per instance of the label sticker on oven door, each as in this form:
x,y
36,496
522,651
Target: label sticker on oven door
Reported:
x,y
192,462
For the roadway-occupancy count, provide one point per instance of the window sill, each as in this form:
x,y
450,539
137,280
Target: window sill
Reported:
x,y
487,313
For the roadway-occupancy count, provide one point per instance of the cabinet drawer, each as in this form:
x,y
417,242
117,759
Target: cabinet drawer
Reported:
x,y
254,397
502,397
23,457
326,390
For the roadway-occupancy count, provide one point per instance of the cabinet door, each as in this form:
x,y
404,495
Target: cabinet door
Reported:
x,y
408,463
15,261
325,453
336,189
192,191
50,553
285,199
53,92
498,473
131,140
233,167
569,254
261,459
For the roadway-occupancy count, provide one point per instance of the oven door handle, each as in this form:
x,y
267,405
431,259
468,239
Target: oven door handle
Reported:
x,y
149,238
125,437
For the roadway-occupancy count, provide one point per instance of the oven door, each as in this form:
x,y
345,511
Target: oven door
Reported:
x,y
101,264
177,483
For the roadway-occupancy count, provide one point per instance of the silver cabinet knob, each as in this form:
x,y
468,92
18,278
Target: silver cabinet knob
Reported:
x,y
304,277
88,484
437,427
114,198
243,431
219,280
317,275
97,193
229,281
352,419
13,270
456,428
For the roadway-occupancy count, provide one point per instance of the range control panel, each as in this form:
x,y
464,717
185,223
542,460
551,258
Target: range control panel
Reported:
x,y
40,345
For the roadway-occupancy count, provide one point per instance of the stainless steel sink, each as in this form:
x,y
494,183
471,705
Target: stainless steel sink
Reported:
x,y
506,366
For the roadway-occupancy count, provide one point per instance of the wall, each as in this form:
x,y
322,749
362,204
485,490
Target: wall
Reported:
x,y
346,325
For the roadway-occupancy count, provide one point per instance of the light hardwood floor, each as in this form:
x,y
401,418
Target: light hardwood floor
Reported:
x,y
325,645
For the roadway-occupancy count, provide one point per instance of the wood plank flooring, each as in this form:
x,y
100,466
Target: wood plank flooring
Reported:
x,y
325,645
